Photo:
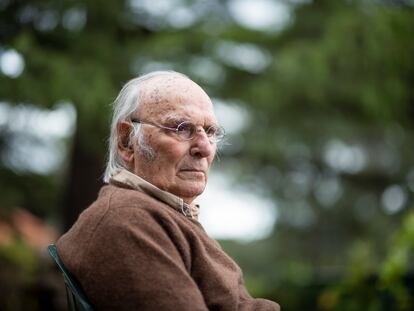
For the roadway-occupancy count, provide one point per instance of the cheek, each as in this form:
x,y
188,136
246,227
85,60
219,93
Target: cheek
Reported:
x,y
212,156
177,156
170,155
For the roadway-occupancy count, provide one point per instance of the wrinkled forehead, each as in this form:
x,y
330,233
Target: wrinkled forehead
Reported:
x,y
174,96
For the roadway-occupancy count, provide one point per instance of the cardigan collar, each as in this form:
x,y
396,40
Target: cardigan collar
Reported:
x,y
137,183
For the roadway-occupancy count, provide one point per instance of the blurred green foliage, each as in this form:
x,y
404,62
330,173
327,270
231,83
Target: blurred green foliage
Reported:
x,y
388,286
330,104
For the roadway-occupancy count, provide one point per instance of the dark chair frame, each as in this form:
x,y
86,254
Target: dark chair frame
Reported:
x,y
76,297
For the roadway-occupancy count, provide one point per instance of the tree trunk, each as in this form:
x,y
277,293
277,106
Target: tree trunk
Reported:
x,y
83,181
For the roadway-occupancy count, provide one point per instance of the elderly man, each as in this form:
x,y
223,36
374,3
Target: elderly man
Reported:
x,y
139,246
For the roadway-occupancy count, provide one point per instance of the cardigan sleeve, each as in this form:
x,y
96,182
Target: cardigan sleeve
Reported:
x,y
131,263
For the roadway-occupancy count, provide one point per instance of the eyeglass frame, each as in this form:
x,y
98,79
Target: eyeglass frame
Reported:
x,y
172,129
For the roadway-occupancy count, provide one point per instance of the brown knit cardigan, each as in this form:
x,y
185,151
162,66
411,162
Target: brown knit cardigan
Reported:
x,y
132,252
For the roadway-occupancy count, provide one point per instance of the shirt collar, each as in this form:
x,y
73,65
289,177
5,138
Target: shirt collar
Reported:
x,y
137,183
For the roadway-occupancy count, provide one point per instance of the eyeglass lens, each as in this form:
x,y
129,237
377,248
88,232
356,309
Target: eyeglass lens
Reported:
x,y
187,130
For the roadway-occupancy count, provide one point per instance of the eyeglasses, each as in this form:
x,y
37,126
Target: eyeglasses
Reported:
x,y
187,130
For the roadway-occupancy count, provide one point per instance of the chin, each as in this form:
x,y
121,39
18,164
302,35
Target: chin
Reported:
x,y
191,191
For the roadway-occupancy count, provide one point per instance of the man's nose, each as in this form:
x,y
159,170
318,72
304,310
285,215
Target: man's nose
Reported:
x,y
201,145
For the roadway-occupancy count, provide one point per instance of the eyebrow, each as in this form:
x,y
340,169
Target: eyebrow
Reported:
x,y
177,120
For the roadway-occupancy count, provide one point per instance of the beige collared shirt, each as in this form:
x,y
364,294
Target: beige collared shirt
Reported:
x,y
135,182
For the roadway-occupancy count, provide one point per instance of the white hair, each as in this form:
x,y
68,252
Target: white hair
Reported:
x,y
125,105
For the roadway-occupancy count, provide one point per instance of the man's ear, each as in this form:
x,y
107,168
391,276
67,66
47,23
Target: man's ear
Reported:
x,y
125,147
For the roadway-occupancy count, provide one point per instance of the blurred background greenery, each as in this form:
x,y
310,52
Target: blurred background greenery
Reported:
x,y
318,100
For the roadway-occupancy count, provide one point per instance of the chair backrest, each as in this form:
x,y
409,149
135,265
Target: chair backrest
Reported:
x,y
77,300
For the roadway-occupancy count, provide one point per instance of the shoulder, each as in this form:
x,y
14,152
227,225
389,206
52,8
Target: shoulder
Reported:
x,y
115,211
117,203
123,203
127,205
121,212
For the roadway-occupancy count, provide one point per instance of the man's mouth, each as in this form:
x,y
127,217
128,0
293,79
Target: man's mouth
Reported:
x,y
193,172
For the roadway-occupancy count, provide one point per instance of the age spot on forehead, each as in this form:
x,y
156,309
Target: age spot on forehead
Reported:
x,y
155,96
